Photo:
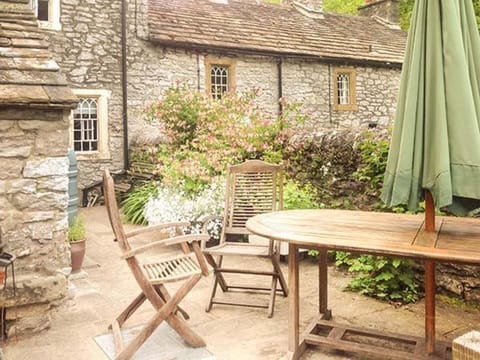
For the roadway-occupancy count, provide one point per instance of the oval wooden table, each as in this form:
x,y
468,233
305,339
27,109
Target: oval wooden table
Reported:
x,y
455,240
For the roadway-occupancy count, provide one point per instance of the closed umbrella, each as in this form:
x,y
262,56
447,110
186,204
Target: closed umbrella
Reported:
x,y
435,147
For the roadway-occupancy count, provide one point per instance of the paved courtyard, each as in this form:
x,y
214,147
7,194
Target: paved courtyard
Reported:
x,y
231,333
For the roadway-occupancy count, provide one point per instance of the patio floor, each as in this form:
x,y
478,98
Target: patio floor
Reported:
x,y
231,333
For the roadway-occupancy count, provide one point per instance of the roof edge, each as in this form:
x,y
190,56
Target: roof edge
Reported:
x,y
276,54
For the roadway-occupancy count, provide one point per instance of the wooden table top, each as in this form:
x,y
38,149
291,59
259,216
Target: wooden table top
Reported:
x,y
455,239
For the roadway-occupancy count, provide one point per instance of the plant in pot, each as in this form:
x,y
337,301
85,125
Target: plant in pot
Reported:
x,y
76,238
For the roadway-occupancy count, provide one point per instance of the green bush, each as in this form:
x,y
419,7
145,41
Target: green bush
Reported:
x,y
381,277
299,197
134,204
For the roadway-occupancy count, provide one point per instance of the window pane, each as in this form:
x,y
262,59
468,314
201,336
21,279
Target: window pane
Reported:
x,y
42,10
85,126
219,80
343,86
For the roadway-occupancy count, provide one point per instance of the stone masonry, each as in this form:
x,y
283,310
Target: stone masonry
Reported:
x,y
35,104
88,49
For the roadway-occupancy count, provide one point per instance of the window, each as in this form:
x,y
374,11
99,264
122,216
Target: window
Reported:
x,y
47,13
85,125
220,76
89,123
344,89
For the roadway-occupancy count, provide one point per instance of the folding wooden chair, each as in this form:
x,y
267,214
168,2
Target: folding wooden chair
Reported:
x,y
152,276
253,188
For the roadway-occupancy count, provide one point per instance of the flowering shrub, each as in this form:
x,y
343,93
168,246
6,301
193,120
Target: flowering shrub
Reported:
x,y
178,112
204,135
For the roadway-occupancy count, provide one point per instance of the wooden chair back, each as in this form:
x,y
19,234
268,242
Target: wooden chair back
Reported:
x,y
113,212
253,187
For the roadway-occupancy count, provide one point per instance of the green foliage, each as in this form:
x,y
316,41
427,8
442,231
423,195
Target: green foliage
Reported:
x,y
343,6
406,8
76,231
299,197
373,150
179,111
476,6
134,204
381,277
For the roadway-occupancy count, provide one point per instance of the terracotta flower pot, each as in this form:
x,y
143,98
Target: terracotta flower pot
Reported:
x,y
77,253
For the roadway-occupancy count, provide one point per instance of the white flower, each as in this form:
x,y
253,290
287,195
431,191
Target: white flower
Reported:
x,y
173,205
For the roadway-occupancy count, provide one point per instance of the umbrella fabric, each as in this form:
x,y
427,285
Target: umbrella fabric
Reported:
x,y
436,137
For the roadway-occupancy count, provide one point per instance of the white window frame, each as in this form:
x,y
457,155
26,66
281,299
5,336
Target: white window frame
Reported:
x,y
53,15
102,96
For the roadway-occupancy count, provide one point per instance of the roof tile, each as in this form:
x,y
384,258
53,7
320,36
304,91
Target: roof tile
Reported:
x,y
246,26
28,74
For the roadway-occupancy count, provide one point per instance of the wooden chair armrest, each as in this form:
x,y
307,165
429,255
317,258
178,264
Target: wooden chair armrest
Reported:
x,y
164,242
154,228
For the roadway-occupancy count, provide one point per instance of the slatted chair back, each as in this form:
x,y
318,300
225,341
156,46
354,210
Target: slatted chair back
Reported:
x,y
253,187
113,212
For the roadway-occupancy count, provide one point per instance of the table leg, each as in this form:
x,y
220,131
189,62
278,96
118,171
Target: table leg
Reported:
x,y
293,301
429,306
323,285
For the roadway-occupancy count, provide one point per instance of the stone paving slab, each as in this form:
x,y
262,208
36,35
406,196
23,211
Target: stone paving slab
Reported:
x,y
164,343
231,333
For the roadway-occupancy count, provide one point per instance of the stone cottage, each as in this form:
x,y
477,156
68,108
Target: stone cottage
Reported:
x,y
35,105
120,55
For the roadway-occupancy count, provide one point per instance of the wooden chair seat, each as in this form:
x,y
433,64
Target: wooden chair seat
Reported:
x,y
240,249
173,269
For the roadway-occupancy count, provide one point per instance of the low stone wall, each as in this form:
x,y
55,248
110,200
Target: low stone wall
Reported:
x,y
461,280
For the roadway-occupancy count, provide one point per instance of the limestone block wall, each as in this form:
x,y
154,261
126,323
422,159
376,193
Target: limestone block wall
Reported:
x,y
88,50
152,69
311,83
33,217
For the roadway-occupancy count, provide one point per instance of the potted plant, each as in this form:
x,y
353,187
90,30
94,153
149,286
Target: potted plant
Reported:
x,y
76,238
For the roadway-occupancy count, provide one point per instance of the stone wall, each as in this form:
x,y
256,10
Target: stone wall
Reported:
x,y
88,49
312,84
33,203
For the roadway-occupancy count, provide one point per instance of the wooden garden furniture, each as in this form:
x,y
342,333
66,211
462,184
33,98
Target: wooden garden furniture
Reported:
x,y
454,240
152,276
253,187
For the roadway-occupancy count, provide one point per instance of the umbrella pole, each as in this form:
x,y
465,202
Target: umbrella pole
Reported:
x,y
429,279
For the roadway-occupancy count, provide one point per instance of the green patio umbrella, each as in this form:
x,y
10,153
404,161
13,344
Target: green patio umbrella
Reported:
x,y
435,147
436,137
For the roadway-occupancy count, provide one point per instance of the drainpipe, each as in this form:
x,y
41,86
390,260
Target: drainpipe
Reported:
x,y
198,72
126,162
280,86
330,92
